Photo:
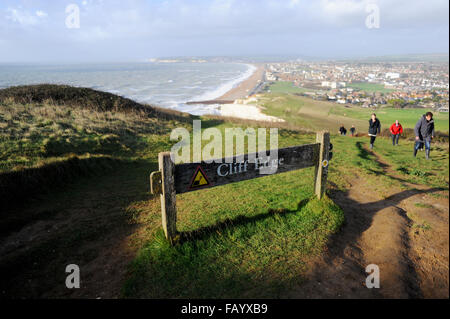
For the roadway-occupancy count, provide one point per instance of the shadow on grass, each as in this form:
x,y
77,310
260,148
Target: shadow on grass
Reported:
x,y
366,154
245,257
205,232
75,223
31,187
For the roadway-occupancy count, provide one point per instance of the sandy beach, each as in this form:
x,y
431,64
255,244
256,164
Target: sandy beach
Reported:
x,y
246,87
241,109
246,111
241,91
235,102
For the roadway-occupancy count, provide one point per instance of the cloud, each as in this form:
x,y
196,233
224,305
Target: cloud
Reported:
x,y
143,28
21,17
24,17
41,14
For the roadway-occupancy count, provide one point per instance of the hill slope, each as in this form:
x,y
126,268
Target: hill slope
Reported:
x,y
85,98
260,238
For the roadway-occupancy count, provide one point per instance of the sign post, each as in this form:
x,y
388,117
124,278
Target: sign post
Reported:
x,y
168,196
174,179
323,138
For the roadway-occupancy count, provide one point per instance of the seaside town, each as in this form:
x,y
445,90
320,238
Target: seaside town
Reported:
x,y
399,85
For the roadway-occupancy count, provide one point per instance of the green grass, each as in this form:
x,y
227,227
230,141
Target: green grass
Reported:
x,y
315,115
307,113
253,239
239,239
35,134
417,222
423,205
353,154
276,229
260,255
248,239
417,170
81,98
370,87
287,87
407,117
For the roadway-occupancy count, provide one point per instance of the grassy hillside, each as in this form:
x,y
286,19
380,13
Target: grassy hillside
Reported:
x,y
35,134
287,87
254,238
250,239
305,112
42,138
44,123
407,117
51,134
315,115
78,98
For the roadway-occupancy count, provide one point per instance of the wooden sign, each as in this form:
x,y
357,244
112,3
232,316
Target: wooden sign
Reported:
x,y
178,179
195,176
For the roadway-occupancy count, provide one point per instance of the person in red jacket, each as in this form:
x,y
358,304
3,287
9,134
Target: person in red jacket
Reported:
x,y
396,129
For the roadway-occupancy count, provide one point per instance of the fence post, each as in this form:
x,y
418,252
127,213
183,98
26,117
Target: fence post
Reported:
x,y
168,196
322,166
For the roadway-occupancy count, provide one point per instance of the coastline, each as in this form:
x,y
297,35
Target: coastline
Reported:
x,y
231,104
241,91
245,88
229,99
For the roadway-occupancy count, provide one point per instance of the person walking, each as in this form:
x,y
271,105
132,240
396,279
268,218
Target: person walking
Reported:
x,y
353,130
396,129
343,130
424,131
374,129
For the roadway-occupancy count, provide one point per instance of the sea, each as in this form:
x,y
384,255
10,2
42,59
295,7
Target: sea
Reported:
x,y
168,85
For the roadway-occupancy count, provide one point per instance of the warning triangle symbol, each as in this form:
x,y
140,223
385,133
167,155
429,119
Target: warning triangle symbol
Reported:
x,y
199,179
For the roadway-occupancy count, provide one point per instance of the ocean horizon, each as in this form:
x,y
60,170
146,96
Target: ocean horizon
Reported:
x,y
167,85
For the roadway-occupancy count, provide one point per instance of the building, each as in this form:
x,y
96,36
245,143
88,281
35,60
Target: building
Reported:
x,y
392,75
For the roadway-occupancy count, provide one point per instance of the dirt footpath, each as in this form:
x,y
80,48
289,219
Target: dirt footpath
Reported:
x,y
402,233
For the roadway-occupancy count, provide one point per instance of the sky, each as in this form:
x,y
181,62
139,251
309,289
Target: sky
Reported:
x,y
46,31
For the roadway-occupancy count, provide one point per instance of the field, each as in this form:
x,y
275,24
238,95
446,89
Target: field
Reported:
x,y
305,112
287,87
370,87
313,114
407,117
263,238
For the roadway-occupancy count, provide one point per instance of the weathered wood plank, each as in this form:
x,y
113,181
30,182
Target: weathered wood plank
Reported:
x,y
197,176
322,164
168,196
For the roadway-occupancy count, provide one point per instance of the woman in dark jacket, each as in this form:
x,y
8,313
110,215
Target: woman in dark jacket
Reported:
x,y
374,129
